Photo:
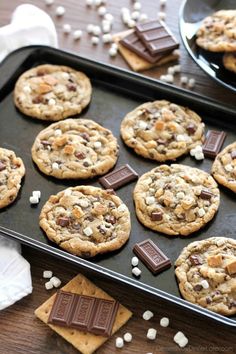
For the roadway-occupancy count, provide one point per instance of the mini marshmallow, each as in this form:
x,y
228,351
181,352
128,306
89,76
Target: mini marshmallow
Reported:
x,y
66,28
67,192
182,343
36,194
177,68
142,124
94,40
107,38
102,10
48,285
122,208
119,342
134,261
162,3
150,200
33,200
27,89
112,52
114,45
201,212
124,10
161,15
65,76
97,144
228,168
191,82
109,17
97,2
147,315
169,78
77,34
56,282
199,155
131,23
136,271
47,274
164,322
135,15
171,70
83,203
106,26
204,283
97,30
128,337
183,80
58,132
49,2
51,102
88,231
180,195
90,28
55,166
180,339
143,17
137,6
89,2
151,334
126,18
60,11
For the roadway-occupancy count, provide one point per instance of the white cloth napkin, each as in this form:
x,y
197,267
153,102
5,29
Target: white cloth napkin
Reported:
x,y
29,25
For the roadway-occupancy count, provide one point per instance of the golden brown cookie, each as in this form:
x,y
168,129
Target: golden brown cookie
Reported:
x,y
52,92
206,272
176,199
75,148
229,61
12,170
86,220
162,130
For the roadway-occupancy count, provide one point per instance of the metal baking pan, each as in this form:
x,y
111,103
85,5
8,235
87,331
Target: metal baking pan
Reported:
x,y
115,93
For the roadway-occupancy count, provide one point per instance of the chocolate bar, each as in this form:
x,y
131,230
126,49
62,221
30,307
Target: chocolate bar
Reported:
x,y
118,177
85,313
133,43
156,37
213,143
152,256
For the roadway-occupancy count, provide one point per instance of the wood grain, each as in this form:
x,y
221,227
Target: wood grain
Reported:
x,y
20,331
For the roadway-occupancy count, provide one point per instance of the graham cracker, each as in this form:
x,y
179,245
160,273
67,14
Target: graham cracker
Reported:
x,y
86,343
135,61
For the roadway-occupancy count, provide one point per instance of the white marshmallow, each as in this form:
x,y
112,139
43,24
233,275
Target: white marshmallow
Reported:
x,y
183,342
136,271
83,203
102,10
126,18
169,78
180,339
89,2
150,200
142,124
191,83
27,89
107,38
109,17
201,212
88,231
164,322
33,200
177,68
137,5
143,17
199,155
131,23
56,282
134,261
49,2
183,80
94,40
65,76
171,70
97,2
128,337
135,15
48,285
67,192
119,342
161,15
162,3
112,52
57,132
60,11
55,166
36,194
47,274
77,34
228,168
106,26
204,283
121,208
151,334
90,28
124,10
51,102
114,45
147,315
97,144
97,30
66,28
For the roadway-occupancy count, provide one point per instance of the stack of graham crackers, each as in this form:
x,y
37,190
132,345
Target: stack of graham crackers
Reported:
x,y
148,45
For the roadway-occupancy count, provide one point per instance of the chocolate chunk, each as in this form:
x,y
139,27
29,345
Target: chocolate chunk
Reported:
x,y
85,136
156,37
2,166
80,155
198,287
191,128
133,43
86,164
232,304
156,216
195,259
111,219
213,143
208,300
118,177
71,87
63,222
42,71
152,256
38,99
205,194
45,143
233,154
85,313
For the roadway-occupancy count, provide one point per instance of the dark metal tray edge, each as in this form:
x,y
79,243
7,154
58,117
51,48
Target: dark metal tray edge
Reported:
x,y
26,51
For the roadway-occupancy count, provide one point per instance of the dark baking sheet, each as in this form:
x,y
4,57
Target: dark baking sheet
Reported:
x,y
115,92
192,13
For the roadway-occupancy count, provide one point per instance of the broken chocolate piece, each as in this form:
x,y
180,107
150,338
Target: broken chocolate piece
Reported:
x,y
198,287
80,155
205,194
2,166
156,216
233,154
191,128
213,143
152,256
84,313
133,43
156,37
118,177
63,222
195,259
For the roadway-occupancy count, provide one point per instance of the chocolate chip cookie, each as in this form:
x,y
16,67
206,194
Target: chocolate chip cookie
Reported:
x,y
161,130
229,61
86,220
217,32
11,172
176,199
75,148
206,272
224,167
52,92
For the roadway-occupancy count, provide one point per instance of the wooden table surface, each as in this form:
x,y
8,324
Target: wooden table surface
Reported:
x,y
20,331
